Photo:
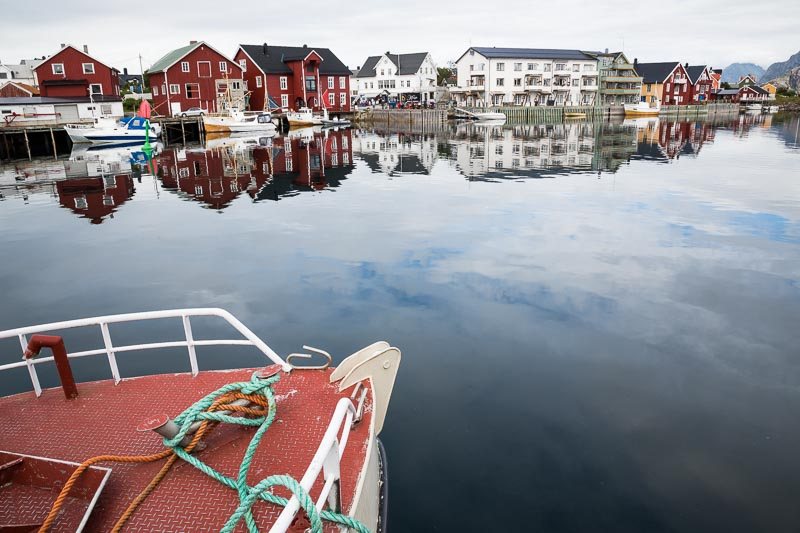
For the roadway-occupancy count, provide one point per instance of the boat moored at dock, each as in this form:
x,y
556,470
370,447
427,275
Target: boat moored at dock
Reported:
x,y
110,131
643,109
237,121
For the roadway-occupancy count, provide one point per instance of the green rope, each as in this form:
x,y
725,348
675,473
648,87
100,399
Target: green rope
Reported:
x,y
262,491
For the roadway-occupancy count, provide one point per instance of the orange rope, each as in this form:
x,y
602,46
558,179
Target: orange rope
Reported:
x,y
218,405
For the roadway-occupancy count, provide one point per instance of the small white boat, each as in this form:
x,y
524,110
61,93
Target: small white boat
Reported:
x,y
770,109
237,141
304,117
643,109
489,115
110,131
753,107
236,120
335,121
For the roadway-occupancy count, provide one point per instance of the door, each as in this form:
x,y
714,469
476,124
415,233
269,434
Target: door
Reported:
x,y
204,69
66,113
175,108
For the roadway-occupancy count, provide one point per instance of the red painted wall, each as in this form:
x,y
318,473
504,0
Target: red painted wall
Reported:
x,y
295,83
161,81
73,60
669,94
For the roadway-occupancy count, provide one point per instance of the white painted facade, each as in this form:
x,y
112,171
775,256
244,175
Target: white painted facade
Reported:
x,y
21,72
403,154
526,81
387,81
57,113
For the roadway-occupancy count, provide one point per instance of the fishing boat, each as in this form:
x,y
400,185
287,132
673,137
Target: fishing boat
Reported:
x,y
279,447
235,120
110,131
643,109
752,107
304,117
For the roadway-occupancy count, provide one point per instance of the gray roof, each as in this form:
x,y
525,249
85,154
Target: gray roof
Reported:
x,y
405,63
694,72
272,59
655,72
726,92
530,53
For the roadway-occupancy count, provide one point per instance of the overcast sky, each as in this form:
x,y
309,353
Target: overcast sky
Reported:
x,y
713,32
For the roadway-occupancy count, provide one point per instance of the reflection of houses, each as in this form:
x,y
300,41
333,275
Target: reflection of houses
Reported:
x,y
308,160
397,153
663,140
95,198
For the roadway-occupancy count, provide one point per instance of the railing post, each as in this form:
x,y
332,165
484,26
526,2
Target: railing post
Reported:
x,y
187,328
37,388
112,359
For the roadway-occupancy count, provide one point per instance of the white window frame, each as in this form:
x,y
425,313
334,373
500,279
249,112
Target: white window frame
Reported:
x,y
285,100
342,84
284,83
93,85
330,82
155,90
54,65
186,89
259,82
223,66
243,65
185,66
331,99
210,72
174,88
91,65
342,99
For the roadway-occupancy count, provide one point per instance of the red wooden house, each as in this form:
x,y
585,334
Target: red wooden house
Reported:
x,y
95,198
671,79
74,73
195,75
744,95
291,77
701,83
16,89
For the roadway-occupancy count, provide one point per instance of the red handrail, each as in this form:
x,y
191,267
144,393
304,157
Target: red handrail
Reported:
x,y
56,344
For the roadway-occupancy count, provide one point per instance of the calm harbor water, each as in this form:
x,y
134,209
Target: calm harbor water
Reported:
x,y
599,323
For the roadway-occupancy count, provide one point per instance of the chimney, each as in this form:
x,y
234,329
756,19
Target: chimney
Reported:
x,y
635,61
192,42
63,45
85,49
305,46
125,70
606,50
265,49
686,65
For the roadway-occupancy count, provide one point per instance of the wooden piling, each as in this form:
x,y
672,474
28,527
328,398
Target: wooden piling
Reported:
x,y
27,143
8,150
53,140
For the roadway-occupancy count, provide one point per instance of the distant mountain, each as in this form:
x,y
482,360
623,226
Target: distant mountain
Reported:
x,y
777,70
733,72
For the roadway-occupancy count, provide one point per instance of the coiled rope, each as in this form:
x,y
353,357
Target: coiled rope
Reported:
x,y
211,410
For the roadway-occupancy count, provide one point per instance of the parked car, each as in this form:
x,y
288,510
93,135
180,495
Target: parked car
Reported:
x,y
194,112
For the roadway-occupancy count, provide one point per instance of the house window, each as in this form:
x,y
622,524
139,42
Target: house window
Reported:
x,y
342,99
88,68
561,66
517,67
174,88
80,202
330,82
311,83
164,89
192,90
289,164
517,82
223,66
501,82
259,82
204,69
284,83
284,100
576,68
533,66
342,84
588,67
58,68
184,66
548,67
243,64
501,67
155,90
236,85
471,68
382,73
96,88
331,98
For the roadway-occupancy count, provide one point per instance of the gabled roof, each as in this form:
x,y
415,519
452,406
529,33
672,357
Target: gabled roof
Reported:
x,y
529,53
30,89
406,64
170,58
727,92
77,50
655,72
272,59
694,72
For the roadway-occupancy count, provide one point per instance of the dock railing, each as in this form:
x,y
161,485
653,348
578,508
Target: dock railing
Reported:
x,y
103,322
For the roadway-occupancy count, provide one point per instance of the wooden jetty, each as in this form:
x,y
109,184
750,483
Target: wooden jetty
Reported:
x,y
27,142
413,119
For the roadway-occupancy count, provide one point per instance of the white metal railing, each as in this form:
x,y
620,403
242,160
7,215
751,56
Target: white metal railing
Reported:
x,y
250,339
326,461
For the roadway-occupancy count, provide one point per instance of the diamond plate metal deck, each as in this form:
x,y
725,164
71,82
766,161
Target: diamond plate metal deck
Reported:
x,y
103,420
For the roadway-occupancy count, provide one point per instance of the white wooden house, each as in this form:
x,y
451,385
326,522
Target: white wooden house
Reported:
x,y
401,76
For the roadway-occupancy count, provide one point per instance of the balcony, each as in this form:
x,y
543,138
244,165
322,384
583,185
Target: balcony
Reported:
x,y
679,81
622,79
621,91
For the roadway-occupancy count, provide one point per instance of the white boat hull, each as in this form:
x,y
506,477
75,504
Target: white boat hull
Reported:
x,y
642,109
232,125
489,115
110,133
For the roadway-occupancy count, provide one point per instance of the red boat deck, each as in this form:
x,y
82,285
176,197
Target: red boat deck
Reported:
x,y
103,420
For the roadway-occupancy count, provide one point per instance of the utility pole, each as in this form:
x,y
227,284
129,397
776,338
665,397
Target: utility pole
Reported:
x,y
142,71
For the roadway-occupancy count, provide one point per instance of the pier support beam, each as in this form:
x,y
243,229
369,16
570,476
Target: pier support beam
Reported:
x,y
27,144
53,140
